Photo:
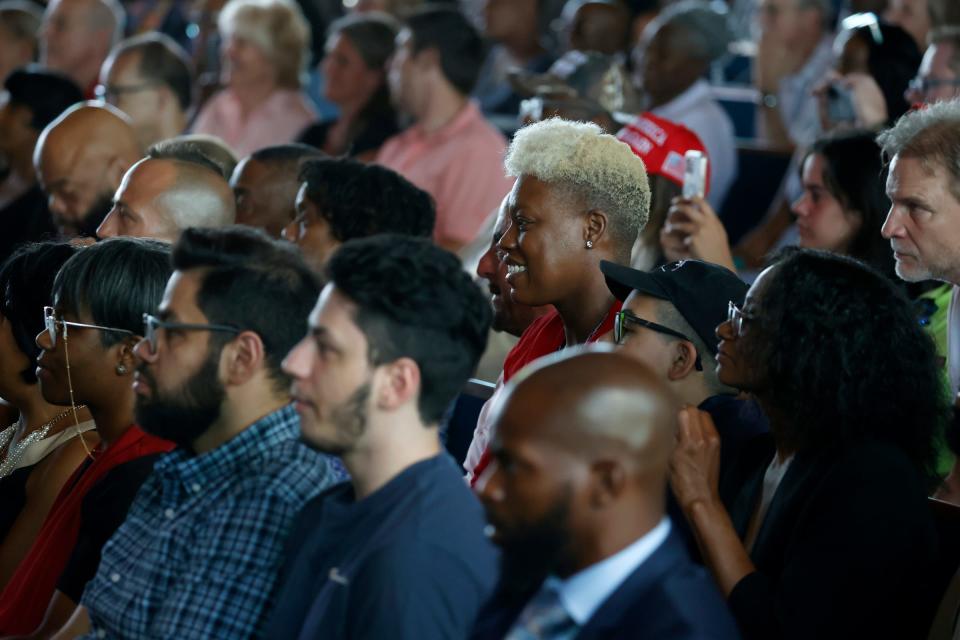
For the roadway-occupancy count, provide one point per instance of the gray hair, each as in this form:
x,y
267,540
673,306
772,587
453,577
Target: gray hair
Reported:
x,y
932,136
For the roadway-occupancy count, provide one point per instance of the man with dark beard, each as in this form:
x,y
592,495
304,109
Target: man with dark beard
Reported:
x,y
399,552
199,553
80,159
575,496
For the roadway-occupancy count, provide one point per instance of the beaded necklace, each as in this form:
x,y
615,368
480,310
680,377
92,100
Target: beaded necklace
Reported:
x,y
16,451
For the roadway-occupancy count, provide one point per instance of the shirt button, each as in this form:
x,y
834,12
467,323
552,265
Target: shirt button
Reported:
x,y
196,487
101,633
169,513
115,577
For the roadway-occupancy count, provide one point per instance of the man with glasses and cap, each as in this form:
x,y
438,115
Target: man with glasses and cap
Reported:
x,y
668,321
199,553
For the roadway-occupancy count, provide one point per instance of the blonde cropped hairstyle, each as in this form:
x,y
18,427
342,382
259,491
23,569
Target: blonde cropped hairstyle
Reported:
x,y
278,28
594,166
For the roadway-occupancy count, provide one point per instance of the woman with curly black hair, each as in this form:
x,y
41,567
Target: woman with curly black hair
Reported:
x,y
830,535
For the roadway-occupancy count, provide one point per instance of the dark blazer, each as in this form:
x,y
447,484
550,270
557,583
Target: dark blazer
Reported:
x,y
847,548
667,598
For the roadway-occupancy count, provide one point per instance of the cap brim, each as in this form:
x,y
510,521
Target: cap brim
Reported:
x,y
622,280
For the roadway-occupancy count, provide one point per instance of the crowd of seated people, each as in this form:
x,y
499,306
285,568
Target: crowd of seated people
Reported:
x,y
420,319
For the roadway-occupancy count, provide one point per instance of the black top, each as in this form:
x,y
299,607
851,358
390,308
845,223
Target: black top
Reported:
x,y
103,510
847,549
26,219
13,495
370,137
408,561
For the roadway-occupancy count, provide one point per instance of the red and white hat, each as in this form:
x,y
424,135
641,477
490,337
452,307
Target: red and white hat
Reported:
x,y
661,144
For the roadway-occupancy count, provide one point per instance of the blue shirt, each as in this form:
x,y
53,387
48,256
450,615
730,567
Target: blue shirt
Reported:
x,y
199,553
409,561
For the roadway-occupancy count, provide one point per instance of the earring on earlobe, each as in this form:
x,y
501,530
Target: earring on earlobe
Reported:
x,y
589,244
121,370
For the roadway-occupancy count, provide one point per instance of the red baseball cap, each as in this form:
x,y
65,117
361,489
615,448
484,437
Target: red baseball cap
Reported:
x,y
661,144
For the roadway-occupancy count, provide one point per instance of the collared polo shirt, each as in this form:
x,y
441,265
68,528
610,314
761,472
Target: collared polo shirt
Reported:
x,y
199,553
460,165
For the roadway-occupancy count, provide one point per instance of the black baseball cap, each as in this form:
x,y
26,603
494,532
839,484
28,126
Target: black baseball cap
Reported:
x,y
700,291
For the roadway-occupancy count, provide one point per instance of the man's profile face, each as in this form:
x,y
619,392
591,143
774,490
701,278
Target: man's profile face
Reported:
x,y
179,393
138,209
263,196
923,224
403,74
311,232
332,376
78,190
940,81
528,491
640,343
125,88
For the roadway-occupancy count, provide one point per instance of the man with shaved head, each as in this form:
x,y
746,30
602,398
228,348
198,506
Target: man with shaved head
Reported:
x,y
575,497
77,36
80,159
159,198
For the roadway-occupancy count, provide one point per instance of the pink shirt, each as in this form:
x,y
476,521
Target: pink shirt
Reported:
x,y
460,165
279,120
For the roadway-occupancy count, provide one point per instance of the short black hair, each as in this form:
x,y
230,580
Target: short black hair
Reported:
x,y
854,174
116,280
26,283
359,200
414,300
45,93
893,61
841,353
252,282
459,45
286,157
162,60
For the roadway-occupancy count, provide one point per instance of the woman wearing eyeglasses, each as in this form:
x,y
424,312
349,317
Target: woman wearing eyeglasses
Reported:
x,y
86,358
43,447
830,535
581,196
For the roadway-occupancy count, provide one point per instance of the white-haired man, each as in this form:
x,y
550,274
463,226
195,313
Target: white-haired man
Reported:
x,y
581,196
77,36
159,198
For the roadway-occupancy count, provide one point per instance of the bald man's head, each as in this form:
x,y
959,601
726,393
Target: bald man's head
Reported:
x,y
80,159
160,198
77,36
580,454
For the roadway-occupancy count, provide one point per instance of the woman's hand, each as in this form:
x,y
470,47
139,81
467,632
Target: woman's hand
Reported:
x,y
693,230
695,464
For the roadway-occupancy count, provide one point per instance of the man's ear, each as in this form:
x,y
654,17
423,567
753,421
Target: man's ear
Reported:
x,y
242,358
428,58
683,360
399,384
608,479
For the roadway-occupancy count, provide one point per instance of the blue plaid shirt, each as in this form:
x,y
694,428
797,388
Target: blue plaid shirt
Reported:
x,y
200,550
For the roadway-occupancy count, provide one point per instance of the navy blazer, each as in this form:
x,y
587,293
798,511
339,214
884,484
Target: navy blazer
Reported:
x,y
667,597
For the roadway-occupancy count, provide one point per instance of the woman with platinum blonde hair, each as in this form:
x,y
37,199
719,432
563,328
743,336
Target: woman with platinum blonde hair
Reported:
x,y
265,48
581,196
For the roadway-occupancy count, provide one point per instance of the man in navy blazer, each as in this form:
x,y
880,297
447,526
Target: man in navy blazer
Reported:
x,y
575,497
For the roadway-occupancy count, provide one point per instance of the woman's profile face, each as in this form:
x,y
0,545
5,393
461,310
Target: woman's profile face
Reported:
x,y
736,353
245,63
348,79
822,221
544,243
